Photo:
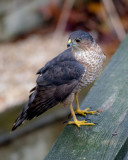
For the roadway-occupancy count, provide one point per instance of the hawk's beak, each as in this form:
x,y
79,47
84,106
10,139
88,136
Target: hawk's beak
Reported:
x,y
69,43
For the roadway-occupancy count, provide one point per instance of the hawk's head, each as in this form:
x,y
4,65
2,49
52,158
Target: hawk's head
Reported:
x,y
80,39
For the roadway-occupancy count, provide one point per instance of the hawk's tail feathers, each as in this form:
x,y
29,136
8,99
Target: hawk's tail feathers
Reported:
x,y
20,119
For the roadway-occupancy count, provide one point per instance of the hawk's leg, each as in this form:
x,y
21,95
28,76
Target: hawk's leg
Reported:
x,y
76,121
82,112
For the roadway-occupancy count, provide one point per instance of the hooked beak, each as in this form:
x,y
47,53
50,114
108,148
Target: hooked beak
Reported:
x,y
69,44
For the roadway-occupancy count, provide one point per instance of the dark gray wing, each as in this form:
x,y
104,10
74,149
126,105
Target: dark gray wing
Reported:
x,y
55,82
64,56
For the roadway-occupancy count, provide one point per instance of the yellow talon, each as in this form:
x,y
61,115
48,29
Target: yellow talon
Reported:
x,y
80,123
82,112
85,111
77,122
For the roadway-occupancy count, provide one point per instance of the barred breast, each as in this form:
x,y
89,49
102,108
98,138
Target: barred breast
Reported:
x,y
92,58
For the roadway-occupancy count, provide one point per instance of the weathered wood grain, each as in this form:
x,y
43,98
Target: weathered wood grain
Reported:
x,y
108,139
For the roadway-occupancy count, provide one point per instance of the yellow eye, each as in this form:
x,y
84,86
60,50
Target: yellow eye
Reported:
x,y
77,40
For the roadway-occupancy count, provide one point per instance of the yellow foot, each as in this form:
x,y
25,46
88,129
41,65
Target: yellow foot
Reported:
x,y
81,123
85,111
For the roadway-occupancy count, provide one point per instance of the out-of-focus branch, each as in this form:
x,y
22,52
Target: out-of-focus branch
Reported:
x,y
114,18
63,18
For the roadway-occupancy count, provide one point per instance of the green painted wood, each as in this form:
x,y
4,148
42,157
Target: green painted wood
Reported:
x,y
108,139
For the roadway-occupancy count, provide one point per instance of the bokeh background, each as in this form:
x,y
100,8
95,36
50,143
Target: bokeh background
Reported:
x,y
31,33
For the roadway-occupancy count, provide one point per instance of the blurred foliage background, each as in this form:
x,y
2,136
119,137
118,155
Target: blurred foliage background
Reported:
x,y
31,33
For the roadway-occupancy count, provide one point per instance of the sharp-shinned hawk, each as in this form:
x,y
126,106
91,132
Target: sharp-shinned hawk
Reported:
x,y
61,79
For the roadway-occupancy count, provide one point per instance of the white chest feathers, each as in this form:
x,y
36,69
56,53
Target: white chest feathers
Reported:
x,y
92,58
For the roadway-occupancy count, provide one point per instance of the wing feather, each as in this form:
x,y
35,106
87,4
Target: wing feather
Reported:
x,y
55,82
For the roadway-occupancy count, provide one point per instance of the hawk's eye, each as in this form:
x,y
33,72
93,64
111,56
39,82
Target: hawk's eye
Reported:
x,y
77,40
